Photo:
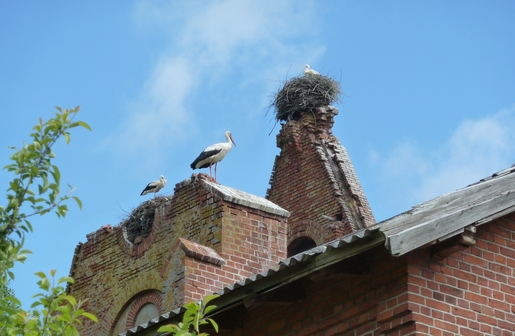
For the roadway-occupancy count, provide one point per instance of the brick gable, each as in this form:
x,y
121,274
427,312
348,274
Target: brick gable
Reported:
x,y
203,238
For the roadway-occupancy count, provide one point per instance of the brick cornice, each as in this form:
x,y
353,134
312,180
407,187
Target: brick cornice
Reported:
x,y
200,252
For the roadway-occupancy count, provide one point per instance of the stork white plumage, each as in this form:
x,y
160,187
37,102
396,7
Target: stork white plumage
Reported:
x,y
213,154
309,72
154,186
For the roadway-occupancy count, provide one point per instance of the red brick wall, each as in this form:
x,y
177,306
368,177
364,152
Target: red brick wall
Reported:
x,y
468,293
299,186
251,241
111,272
471,292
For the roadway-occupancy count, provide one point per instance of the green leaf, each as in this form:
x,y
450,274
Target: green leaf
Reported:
x,y
66,279
169,328
82,124
56,174
208,298
13,300
44,284
209,308
37,303
71,300
45,183
42,275
90,316
79,202
213,323
65,317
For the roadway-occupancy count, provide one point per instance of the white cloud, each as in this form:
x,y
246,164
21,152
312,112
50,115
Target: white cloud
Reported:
x,y
209,42
476,149
157,115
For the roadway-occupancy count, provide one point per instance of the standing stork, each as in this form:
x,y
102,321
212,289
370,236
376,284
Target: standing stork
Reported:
x,y
308,71
213,154
154,186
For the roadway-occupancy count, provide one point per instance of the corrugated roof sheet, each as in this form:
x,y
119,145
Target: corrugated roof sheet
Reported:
x,y
294,260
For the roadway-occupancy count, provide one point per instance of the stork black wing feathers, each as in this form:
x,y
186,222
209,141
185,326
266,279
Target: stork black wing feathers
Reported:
x,y
204,155
151,186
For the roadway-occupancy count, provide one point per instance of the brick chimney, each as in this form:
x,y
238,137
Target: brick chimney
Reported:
x,y
224,235
314,179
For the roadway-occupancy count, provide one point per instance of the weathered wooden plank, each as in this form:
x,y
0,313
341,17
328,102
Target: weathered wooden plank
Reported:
x,y
417,235
451,203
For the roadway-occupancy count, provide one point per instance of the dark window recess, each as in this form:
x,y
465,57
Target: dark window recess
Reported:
x,y
299,245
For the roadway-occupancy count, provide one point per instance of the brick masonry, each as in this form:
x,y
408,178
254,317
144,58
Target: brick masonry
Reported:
x,y
199,244
470,293
202,241
314,179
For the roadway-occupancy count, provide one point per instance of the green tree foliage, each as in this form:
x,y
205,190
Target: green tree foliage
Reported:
x,y
35,190
193,318
10,307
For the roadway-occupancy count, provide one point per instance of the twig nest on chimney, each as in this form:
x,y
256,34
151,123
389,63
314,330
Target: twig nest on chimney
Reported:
x,y
304,93
139,223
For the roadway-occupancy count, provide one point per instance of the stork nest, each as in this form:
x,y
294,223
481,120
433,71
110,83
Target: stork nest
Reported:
x,y
304,93
139,223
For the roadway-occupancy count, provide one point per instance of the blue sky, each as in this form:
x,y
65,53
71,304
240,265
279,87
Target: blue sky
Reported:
x,y
429,102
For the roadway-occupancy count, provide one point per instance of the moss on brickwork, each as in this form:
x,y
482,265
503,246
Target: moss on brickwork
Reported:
x,y
111,271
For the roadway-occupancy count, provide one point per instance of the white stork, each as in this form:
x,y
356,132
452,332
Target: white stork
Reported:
x,y
213,154
308,71
154,186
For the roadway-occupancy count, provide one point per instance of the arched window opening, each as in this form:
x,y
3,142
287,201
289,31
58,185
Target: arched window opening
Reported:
x,y
146,313
299,245
140,309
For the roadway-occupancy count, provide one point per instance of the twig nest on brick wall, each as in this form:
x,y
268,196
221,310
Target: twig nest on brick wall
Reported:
x,y
304,93
139,223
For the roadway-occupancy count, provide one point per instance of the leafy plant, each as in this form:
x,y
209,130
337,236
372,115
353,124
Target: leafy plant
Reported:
x,y
33,164
193,318
59,313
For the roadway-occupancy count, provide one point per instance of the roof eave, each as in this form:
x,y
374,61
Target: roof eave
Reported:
x,y
292,269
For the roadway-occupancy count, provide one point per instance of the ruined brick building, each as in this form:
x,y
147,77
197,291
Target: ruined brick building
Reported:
x,y
309,259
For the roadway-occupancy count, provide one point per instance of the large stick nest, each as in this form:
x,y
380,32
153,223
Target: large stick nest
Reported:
x,y
304,93
139,223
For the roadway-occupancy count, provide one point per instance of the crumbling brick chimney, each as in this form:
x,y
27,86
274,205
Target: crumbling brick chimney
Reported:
x,y
314,179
